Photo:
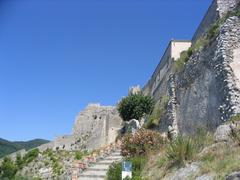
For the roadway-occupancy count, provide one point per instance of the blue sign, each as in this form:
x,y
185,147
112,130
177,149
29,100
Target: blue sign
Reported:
x,y
126,166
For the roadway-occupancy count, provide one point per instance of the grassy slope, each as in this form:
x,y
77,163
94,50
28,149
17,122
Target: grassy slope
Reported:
x,y
7,147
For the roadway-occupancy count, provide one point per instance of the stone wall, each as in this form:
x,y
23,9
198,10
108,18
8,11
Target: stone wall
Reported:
x,y
207,92
94,127
210,17
159,79
217,9
99,123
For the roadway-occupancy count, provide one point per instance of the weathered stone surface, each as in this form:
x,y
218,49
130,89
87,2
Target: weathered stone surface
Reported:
x,y
205,177
222,133
100,125
190,170
96,126
206,93
132,126
234,176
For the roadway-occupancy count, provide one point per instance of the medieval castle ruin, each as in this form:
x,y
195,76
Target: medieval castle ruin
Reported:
x,y
204,94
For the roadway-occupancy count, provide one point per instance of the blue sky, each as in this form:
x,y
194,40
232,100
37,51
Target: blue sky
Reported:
x,y
56,56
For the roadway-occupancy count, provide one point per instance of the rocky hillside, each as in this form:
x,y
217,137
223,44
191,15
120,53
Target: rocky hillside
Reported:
x,y
8,147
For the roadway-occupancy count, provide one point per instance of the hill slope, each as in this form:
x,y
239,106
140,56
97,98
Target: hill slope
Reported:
x,y
8,147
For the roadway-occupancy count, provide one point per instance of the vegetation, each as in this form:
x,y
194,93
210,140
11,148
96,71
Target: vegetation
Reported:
x,y
140,143
78,155
235,118
7,147
235,135
115,172
138,162
159,110
8,169
221,161
135,106
204,41
30,156
180,151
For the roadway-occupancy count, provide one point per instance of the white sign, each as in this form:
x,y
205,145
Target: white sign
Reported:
x,y
126,169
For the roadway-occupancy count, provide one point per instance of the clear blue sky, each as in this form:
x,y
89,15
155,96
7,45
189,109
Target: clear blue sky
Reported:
x,y
56,56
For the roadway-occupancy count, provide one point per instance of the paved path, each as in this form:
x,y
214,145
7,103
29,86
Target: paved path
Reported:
x,y
98,170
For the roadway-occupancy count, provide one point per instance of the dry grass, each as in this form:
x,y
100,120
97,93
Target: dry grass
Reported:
x,y
221,161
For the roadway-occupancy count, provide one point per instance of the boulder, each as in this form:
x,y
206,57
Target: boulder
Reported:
x,y
222,133
234,176
132,126
205,177
190,170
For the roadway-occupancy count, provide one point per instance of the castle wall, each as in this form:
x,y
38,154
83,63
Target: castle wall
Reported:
x,y
178,47
94,127
210,17
217,10
157,85
208,91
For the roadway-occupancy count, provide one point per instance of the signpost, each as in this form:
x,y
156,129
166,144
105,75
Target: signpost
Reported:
x,y
126,169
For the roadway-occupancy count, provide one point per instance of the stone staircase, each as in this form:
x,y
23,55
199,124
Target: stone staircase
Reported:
x,y
98,169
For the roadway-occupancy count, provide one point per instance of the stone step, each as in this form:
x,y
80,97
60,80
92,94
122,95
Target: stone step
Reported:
x,y
90,178
107,161
97,169
116,152
99,166
96,174
103,163
114,158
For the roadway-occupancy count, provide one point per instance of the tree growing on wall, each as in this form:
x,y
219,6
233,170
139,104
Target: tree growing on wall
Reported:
x,y
135,106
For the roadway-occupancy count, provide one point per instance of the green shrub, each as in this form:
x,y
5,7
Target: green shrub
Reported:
x,y
19,161
78,155
138,163
235,118
235,132
180,151
179,64
115,172
8,169
57,168
159,110
201,43
31,155
135,106
201,139
154,119
213,31
235,135
141,142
